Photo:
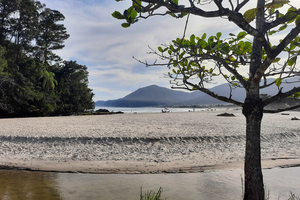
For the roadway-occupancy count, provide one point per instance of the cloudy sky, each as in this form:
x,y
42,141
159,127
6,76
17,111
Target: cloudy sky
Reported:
x,y
98,41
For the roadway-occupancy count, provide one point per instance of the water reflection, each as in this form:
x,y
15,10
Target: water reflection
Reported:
x,y
226,184
28,185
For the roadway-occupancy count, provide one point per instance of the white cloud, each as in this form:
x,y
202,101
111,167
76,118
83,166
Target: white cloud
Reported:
x,y
98,41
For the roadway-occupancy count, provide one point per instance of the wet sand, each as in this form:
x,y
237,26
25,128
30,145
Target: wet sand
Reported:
x,y
144,143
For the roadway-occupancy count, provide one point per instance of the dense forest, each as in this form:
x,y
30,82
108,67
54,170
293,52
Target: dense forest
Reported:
x,y
34,81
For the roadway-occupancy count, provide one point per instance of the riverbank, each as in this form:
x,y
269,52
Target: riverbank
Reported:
x,y
124,167
144,143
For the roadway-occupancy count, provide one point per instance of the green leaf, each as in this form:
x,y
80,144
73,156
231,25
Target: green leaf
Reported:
x,y
175,1
181,55
170,13
125,13
226,48
231,58
241,35
272,32
160,49
136,4
250,15
192,38
172,47
278,82
277,4
219,34
183,14
203,36
210,40
297,22
132,13
271,11
237,51
291,14
276,60
292,61
283,27
248,47
117,15
296,95
125,25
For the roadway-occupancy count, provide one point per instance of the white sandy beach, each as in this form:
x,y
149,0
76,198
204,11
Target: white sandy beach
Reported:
x,y
144,143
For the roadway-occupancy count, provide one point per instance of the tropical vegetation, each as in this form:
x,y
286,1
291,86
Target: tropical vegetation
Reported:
x,y
34,80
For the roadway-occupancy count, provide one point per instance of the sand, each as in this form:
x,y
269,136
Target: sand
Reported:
x,y
144,142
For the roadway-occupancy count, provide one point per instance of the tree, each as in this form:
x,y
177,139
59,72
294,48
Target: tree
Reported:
x,y
7,7
29,33
186,58
72,88
49,82
24,27
51,35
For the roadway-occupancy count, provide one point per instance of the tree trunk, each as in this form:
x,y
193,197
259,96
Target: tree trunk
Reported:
x,y
253,111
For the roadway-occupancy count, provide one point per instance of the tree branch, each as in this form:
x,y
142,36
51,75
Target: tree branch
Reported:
x,y
241,5
210,93
281,110
226,66
275,52
234,16
280,20
281,95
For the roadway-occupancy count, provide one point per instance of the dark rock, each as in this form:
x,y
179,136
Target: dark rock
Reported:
x,y
295,118
226,115
285,114
102,110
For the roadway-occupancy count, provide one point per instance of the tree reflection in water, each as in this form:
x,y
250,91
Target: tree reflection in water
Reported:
x,y
27,185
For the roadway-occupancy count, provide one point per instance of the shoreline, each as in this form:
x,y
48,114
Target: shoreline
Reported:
x,y
123,167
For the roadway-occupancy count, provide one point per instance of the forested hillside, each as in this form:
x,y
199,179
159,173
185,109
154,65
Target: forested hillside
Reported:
x,y
34,81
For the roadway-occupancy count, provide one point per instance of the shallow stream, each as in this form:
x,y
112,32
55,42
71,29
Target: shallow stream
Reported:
x,y
213,185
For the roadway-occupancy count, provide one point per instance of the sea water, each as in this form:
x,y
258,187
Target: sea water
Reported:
x,y
136,110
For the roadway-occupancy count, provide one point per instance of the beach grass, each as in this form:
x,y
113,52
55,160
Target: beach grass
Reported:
x,y
157,195
151,195
293,197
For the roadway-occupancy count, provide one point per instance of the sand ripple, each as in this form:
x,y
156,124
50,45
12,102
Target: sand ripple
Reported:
x,y
169,140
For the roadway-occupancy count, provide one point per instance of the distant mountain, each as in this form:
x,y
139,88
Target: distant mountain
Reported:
x,y
159,94
154,95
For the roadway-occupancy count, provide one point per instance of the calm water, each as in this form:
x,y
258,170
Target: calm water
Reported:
x,y
213,185
155,109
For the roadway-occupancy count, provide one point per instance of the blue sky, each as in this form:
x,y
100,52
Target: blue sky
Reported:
x,y
98,41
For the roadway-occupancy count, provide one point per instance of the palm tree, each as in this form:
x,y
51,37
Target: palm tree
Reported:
x,y
49,82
